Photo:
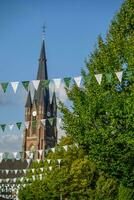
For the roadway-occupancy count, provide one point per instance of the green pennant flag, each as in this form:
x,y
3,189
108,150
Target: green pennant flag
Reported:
x,y
4,86
25,84
3,126
51,121
45,83
128,75
34,124
67,81
18,124
109,77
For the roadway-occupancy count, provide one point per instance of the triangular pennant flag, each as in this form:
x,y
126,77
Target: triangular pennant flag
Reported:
x,y
34,124
57,82
40,152
25,171
19,125
76,145
38,160
59,161
50,168
78,80
7,171
33,177
21,179
41,177
4,86
65,147
45,83
33,170
26,125
36,84
53,150
109,77
1,157
43,121
15,154
25,84
128,75
48,160
14,86
14,180
51,121
28,161
42,169
16,171
11,126
98,78
28,153
3,126
119,75
67,81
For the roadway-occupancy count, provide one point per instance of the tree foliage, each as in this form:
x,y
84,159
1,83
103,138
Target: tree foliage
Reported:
x,y
75,178
102,116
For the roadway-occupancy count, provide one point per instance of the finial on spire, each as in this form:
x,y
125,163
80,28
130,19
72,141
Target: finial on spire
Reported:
x,y
43,31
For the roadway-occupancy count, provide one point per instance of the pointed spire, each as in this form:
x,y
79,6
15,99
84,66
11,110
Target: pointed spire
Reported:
x,y
29,101
42,70
54,104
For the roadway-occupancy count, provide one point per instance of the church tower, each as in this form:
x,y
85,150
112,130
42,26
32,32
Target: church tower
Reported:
x,y
38,137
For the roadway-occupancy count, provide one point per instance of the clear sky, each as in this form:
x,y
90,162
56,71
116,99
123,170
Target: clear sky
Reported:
x,y
72,27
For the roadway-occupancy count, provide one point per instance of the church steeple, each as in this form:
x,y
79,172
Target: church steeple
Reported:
x,y
40,137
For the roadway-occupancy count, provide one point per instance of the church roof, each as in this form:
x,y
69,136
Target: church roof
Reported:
x,y
29,101
42,70
41,96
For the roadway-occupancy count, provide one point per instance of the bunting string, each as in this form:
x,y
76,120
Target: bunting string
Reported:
x,y
27,124
66,80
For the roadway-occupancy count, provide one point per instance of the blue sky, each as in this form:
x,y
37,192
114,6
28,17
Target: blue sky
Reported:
x,y
72,27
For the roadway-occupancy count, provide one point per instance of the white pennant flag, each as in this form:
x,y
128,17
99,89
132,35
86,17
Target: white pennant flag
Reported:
x,y
28,153
28,161
15,154
25,171
1,157
48,160
98,78
26,125
50,168
33,176
119,75
36,84
76,145
53,150
43,121
7,180
16,171
65,147
38,160
41,177
42,169
78,80
14,86
21,179
59,161
40,152
7,171
57,82
33,170
11,126
14,180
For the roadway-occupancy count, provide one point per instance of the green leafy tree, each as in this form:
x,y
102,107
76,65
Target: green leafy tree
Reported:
x,y
75,178
101,119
